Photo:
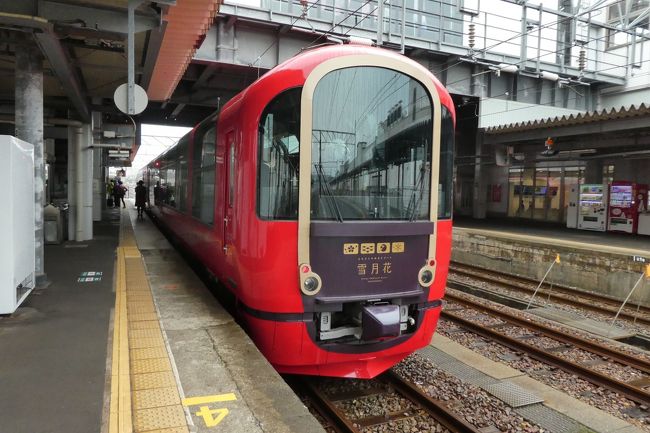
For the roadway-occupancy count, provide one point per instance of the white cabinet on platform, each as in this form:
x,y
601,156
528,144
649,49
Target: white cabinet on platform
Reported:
x,y
644,224
17,256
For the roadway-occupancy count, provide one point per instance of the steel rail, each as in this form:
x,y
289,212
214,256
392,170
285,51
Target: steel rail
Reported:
x,y
634,393
482,274
561,288
337,419
590,346
327,409
435,408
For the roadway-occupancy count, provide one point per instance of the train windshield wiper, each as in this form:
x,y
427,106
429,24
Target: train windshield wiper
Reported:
x,y
416,198
323,185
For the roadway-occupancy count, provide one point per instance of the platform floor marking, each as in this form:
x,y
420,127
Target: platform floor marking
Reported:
x,y
158,418
144,392
152,365
195,401
144,324
163,379
148,353
155,397
211,416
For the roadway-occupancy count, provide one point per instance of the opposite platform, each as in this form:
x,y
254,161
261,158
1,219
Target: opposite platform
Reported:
x,y
606,263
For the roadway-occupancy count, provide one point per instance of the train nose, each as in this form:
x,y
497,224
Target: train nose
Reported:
x,y
379,321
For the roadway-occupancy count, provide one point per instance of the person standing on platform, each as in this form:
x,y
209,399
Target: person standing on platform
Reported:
x,y
116,193
156,194
121,191
140,198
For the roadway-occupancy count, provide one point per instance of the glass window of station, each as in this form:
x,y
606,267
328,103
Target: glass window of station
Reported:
x,y
371,149
540,192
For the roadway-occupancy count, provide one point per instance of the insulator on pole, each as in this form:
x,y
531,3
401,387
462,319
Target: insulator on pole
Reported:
x,y
472,35
582,59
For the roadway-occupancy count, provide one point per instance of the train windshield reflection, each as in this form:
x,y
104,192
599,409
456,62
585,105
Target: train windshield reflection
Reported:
x,y
371,146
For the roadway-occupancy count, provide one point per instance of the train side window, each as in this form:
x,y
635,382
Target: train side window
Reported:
x,y
445,180
279,157
231,175
182,172
168,178
203,177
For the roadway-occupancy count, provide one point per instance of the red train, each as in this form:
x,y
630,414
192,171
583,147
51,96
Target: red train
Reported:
x,y
310,198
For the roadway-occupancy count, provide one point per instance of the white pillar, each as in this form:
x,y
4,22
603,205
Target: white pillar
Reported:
x,y
72,185
84,183
99,188
29,127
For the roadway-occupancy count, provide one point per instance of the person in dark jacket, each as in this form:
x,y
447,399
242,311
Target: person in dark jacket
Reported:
x,y
140,198
116,194
120,193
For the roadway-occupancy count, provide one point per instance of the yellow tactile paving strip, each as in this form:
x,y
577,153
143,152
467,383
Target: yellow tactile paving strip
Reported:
x,y
144,392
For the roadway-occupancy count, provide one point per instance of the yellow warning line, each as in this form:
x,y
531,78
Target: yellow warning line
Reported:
x,y
144,393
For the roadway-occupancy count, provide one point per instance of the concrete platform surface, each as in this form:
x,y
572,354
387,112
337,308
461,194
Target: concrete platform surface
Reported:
x,y
532,231
576,321
53,349
591,417
213,356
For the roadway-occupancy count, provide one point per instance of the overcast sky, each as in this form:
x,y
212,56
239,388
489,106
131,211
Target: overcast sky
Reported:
x,y
155,139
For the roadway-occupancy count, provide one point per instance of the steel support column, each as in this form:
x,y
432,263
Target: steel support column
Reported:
x,y
29,127
84,183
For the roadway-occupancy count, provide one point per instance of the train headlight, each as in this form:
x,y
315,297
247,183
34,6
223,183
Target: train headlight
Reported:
x,y
310,284
427,273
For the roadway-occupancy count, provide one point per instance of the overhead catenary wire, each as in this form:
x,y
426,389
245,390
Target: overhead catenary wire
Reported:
x,y
548,104
520,34
537,57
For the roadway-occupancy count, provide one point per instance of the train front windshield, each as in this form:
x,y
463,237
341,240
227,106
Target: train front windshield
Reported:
x,y
371,146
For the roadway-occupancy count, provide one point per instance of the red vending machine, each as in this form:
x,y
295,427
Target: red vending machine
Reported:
x,y
626,200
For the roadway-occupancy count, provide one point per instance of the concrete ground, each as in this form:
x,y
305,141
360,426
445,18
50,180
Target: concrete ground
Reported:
x,y
53,349
557,412
548,232
212,354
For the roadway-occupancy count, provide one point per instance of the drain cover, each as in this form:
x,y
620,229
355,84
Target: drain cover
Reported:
x,y
512,394
551,420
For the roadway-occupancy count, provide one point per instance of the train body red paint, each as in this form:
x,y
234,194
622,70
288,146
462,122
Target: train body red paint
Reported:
x,y
339,268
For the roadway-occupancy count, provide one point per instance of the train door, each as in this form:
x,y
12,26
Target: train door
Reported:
x,y
228,220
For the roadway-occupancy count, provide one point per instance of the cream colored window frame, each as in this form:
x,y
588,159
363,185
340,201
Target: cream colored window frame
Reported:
x,y
306,123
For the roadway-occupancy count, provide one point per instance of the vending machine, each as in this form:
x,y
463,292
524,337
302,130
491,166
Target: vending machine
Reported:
x,y
626,200
592,202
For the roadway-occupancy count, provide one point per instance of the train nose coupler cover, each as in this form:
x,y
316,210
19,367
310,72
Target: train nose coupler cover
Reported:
x,y
379,321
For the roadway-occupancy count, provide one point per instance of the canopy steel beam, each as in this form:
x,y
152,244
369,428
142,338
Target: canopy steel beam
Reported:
x,y
103,19
67,75
57,56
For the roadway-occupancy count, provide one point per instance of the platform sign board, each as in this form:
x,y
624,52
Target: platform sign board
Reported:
x,y
90,277
640,259
140,99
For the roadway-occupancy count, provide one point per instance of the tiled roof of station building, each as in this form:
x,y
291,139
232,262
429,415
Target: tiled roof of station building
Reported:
x,y
574,119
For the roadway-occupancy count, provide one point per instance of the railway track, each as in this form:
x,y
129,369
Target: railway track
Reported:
x,y
504,331
557,293
414,405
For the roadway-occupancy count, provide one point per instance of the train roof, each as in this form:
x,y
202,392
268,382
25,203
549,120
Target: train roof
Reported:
x,y
300,66
306,61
